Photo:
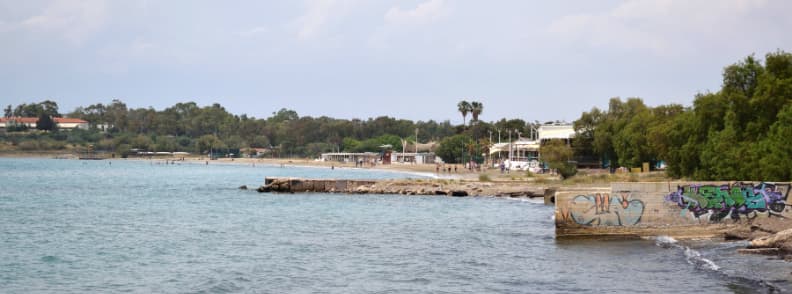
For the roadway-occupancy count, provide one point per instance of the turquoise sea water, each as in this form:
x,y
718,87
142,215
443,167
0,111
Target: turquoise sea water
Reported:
x,y
69,226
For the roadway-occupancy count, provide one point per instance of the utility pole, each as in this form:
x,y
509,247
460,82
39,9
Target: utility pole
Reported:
x,y
510,147
416,141
489,152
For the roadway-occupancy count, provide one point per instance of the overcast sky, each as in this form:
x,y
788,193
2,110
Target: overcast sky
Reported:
x,y
534,60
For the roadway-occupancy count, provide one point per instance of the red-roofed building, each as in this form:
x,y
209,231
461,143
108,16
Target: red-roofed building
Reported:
x,y
64,123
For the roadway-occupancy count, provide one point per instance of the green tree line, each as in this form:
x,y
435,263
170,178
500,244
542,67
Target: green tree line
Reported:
x,y
192,128
741,132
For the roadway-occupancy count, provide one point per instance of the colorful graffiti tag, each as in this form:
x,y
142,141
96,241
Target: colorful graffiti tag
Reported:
x,y
722,201
603,209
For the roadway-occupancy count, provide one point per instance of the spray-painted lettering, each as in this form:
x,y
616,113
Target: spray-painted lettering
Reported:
x,y
603,209
721,201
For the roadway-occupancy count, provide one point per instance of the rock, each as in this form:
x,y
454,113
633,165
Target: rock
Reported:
x,y
263,189
761,251
440,192
243,187
778,240
459,193
362,190
739,234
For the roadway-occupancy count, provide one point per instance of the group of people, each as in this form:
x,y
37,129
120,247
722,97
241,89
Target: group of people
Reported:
x,y
443,168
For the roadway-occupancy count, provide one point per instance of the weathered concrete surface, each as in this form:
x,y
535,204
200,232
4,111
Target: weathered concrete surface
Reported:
x,y
678,209
402,187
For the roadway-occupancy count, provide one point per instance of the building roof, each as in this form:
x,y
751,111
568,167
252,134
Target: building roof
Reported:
x,y
561,131
68,120
24,120
32,120
526,145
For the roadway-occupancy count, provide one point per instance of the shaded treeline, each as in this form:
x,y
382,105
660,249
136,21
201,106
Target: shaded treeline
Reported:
x,y
741,132
192,128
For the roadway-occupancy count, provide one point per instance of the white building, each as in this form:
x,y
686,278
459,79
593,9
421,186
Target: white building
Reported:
x,y
64,123
556,131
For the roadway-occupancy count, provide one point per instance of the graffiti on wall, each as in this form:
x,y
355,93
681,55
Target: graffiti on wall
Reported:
x,y
717,202
603,209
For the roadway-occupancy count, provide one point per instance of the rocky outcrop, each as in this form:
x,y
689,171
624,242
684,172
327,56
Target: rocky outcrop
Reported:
x,y
767,236
781,240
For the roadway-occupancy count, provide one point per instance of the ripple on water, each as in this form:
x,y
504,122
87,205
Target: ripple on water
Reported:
x,y
136,227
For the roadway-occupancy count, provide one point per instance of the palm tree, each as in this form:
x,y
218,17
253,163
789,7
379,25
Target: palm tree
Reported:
x,y
464,107
475,109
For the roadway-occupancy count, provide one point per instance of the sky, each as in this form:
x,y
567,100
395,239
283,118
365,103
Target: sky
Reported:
x,y
414,59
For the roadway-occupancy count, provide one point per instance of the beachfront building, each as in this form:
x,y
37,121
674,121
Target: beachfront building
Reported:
x,y
562,131
366,157
520,154
523,153
63,123
412,157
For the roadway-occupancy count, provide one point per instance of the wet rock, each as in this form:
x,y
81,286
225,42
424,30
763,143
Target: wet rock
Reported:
x,y
440,192
781,240
362,190
759,251
459,193
243,187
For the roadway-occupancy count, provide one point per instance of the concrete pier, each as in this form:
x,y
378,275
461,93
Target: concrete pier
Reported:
x,y
400,187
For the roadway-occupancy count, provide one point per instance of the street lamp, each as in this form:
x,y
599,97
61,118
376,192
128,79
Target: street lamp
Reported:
x,y
489,147
510,147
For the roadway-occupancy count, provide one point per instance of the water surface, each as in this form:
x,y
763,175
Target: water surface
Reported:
x,y
73,226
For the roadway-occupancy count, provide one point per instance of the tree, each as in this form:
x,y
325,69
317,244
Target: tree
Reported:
x,y
464,107
454,149
557,155
45,123
8,111
475,110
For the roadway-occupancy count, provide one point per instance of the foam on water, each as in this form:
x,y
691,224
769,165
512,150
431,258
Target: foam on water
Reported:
x,y
692,256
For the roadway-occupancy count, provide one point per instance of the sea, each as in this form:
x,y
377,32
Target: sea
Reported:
x,y
143,226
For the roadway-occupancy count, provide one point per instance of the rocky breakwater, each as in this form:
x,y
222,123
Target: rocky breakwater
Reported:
x,y
771,236
401,187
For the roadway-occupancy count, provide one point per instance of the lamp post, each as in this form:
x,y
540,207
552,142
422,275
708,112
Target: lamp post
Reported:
x,y
416,142
519,135
510,147
489,147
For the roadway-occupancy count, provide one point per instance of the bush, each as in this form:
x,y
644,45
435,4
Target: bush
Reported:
x,y
484,178
566,170
28,145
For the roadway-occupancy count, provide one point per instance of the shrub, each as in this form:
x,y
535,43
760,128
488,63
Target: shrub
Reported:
x,y
484,178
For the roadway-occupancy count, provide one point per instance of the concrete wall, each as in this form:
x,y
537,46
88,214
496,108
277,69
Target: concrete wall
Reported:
x,y
670,208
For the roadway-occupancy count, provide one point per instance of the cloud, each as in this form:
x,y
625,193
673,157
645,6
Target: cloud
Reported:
x,y
423,13
74,21
253,31
317,16
660,26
